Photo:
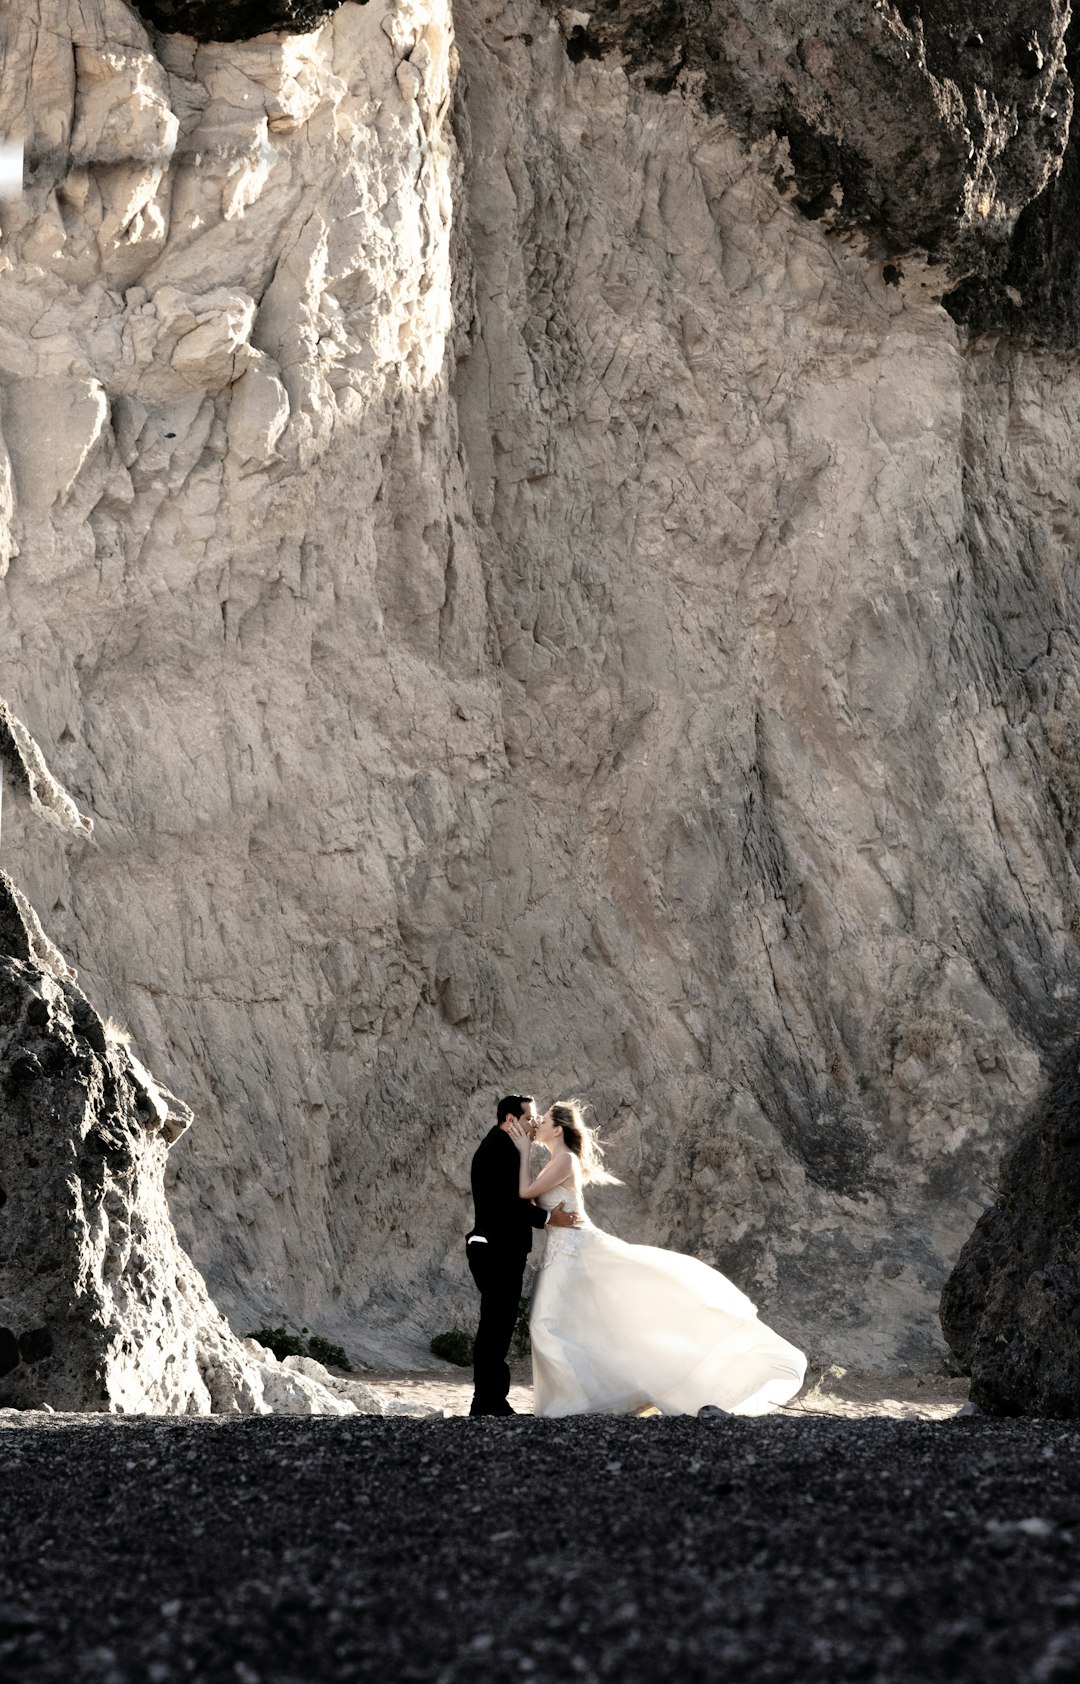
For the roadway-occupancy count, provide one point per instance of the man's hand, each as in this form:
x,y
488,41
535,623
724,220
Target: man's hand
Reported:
x,y
561,1218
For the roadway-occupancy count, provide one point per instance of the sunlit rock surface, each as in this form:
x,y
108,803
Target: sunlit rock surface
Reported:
x,y
527,604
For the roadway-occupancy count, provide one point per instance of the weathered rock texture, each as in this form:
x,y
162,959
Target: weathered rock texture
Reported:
x,y
103,1308
1011,1307
527,603
929,123
939,126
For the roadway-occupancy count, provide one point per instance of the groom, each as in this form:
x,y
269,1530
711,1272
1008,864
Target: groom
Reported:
x,y
497,1247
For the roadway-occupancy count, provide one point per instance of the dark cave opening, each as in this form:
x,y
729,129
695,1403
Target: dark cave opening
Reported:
x,y
235,20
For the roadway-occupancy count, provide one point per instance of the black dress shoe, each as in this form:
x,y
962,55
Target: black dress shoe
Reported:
x,y
494,1409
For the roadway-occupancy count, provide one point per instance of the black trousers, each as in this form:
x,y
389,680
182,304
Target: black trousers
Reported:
x,y
498,1273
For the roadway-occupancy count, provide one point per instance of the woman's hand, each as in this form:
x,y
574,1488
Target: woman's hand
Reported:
x,y
520,1135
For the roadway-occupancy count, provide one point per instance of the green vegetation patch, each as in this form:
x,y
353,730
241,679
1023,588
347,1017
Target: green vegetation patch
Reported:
x,y
456,1345
285,1344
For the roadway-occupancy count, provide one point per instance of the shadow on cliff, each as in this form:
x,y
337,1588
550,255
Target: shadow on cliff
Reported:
x,y
235,20
892,116
1010,1310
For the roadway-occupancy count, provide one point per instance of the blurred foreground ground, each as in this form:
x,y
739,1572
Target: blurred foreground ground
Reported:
x,y
790,1550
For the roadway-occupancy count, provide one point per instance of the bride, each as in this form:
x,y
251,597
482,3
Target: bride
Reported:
x,y
619,1327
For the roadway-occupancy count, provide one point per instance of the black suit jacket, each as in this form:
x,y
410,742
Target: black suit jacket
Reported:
x,y
501,1215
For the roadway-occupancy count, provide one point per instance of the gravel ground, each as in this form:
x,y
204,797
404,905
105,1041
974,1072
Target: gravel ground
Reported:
x,y
837,1391
286,1550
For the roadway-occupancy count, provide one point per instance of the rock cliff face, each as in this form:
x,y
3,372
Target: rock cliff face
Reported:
x,y
535,587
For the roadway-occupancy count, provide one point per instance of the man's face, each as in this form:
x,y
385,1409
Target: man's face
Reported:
x,y
530,1119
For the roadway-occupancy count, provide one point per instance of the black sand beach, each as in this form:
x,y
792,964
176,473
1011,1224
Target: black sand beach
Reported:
x,y
284,1550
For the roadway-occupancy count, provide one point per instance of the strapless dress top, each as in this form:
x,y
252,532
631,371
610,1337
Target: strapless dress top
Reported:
x,y
563,1242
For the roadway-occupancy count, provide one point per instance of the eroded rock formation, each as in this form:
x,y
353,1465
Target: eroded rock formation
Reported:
x,y
931,123
536,588
102,1309
1011,1307
938,127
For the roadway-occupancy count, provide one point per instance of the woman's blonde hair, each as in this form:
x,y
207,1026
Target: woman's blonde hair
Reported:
x,y
584,1142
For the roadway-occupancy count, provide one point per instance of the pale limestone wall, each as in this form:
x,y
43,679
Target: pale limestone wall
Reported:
x,y
524,606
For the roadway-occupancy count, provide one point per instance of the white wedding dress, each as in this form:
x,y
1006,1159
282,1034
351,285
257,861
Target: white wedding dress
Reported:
x,y
617,1327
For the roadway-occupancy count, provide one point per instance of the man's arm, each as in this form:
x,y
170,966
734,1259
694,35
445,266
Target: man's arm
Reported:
x,y
551,1175
557,1218
486,1186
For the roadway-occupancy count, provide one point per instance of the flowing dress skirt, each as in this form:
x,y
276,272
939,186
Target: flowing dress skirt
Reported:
x,y
618,1327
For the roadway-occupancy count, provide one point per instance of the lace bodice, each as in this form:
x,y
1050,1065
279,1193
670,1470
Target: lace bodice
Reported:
x,y
562,1242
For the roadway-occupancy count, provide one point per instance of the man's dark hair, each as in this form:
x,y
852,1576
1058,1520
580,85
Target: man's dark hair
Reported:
x,y
513,1105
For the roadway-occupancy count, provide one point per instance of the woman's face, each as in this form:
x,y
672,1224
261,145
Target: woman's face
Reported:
x,y
547,1133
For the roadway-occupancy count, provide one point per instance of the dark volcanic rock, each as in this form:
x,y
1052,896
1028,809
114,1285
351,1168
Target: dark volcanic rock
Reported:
x,y
1035,294
234,20
1011,1308
940,127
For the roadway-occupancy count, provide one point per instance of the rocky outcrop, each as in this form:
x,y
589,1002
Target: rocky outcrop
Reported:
x,y
25,765
102,1308
927,123
1011,1307
528,604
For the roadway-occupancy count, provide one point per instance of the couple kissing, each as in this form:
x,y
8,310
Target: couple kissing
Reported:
x,y
615,1328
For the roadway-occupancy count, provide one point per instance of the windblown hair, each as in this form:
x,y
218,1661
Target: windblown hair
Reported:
x,y
583,1141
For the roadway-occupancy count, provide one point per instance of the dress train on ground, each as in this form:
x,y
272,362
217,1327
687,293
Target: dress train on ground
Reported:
x,y
618,1327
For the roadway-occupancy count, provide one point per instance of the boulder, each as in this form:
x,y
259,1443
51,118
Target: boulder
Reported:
x,y
101,1307
1010,1310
